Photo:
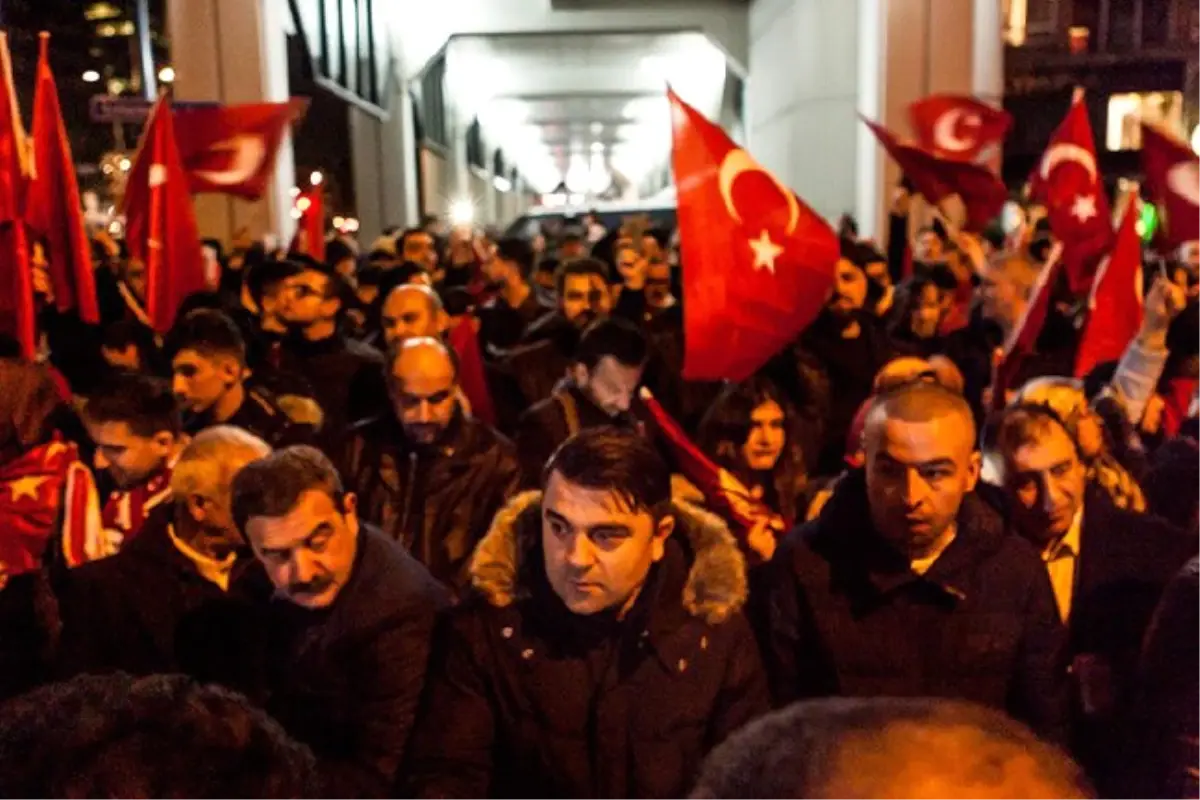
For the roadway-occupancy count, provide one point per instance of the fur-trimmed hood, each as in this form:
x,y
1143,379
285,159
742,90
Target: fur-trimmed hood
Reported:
x,y
715,588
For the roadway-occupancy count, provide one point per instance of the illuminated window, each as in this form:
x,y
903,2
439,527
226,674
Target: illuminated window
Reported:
x,y
127,28
99,11
1127,112
106,31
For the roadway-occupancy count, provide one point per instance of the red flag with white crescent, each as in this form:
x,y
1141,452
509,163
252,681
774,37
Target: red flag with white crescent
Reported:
x,y
18,316
1173,183
1115,304
232,149
757,262
957,127
1023,338
1067,180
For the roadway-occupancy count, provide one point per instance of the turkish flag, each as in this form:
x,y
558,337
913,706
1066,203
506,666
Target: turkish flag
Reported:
x,y
1023,338
1068,182
465,341
160,227
310,230
1173,182
232,149
1115,304
17,313
53,207
957,127
936,179
757,262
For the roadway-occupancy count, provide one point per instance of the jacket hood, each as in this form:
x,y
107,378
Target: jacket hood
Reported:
x,y
716,585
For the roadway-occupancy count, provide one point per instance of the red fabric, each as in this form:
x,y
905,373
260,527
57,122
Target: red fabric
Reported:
x,y
1176,402
723,493
959,315
232,149
31,495
757,262
957,127
1173,183
470,370
1115,305
126,510
936,179
54,208
1024,335
161,222
310,230
17,312
1067,180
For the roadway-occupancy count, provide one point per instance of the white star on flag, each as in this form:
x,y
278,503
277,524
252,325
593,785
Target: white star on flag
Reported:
x,y
765,252
157,175
1084,207
26,487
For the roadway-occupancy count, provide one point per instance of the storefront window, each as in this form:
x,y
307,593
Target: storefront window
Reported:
x,y
1127,112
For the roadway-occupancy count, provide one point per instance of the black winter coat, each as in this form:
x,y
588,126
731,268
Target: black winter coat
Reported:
x,y
438,501
550,423
346,377
519,706
843,614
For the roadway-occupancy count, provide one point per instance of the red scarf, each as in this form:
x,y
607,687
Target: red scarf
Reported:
x,y
126,510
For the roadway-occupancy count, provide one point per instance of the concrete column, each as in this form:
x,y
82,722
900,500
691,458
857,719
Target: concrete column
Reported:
x,y
235,51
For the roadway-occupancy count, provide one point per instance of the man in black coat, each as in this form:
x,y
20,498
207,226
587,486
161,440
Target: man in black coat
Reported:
x,y
1108,568
606,653
347,632
162,602
909,585
428,474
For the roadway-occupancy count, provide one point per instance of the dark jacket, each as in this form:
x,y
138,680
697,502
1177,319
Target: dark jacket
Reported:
x,y
346,680
843,614
529,700
551,422
1125,561
437,501
346,377
261,415
148,610
502,326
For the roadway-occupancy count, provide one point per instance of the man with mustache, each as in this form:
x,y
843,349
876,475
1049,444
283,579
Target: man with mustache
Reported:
x,y
908,584
347,633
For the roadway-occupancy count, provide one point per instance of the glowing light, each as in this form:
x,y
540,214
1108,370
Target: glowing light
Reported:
x,y
297,213
166,74
294,191
303,204
339,222
124,164
502,184
1196,140
351,225
462,211
90,76
316,177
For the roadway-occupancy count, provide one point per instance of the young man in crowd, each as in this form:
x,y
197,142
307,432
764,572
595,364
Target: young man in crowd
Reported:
x,y
505,318
594,664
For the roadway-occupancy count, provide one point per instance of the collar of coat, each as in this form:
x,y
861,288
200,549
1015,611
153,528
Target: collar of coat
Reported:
x,y
716,584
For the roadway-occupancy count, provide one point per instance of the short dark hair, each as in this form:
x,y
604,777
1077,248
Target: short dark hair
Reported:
x,y
403,237
579,266
618,338
614,459
265,274
208,332
803,751
517,250
271,486
156,736
145,404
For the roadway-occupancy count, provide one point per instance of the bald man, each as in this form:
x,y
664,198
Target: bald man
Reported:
x,y
429,475
412,309
908,585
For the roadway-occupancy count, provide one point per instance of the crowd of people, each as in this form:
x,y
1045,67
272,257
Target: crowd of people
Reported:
x,y
396,522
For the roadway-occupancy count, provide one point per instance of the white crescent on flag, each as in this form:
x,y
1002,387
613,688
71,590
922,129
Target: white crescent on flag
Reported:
x,y
943,130
249,151
734,164
1184,180
1065,152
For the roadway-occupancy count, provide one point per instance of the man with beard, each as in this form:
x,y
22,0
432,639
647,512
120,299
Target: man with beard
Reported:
x,y
419,247
908,584
515,306
157,605
411,310
430,476
208,364
136,427
347,631
604,375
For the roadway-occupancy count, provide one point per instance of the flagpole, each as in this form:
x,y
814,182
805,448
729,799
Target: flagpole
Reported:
x,y
145,54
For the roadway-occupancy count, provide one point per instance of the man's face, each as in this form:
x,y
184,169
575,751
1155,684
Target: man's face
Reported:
x,y
929,246
597,550
570,249
306,301
419,248
610,384
927,312
199,381
849,289
1000,297
309,552
545,279
497,269
130,459
582,299
877,272
1045,480
763,446
658,283
275,297
424,398
409,313
917,475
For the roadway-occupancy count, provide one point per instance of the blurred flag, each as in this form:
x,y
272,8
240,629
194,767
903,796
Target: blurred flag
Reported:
x,y
160,228
757,262
17,313
310,228
1115,303
53,207
465,341
937,179
1173,182
957,127
1023,338
1068,182
232,149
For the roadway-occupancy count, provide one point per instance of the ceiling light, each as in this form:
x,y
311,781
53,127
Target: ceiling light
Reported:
x,y
166,74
